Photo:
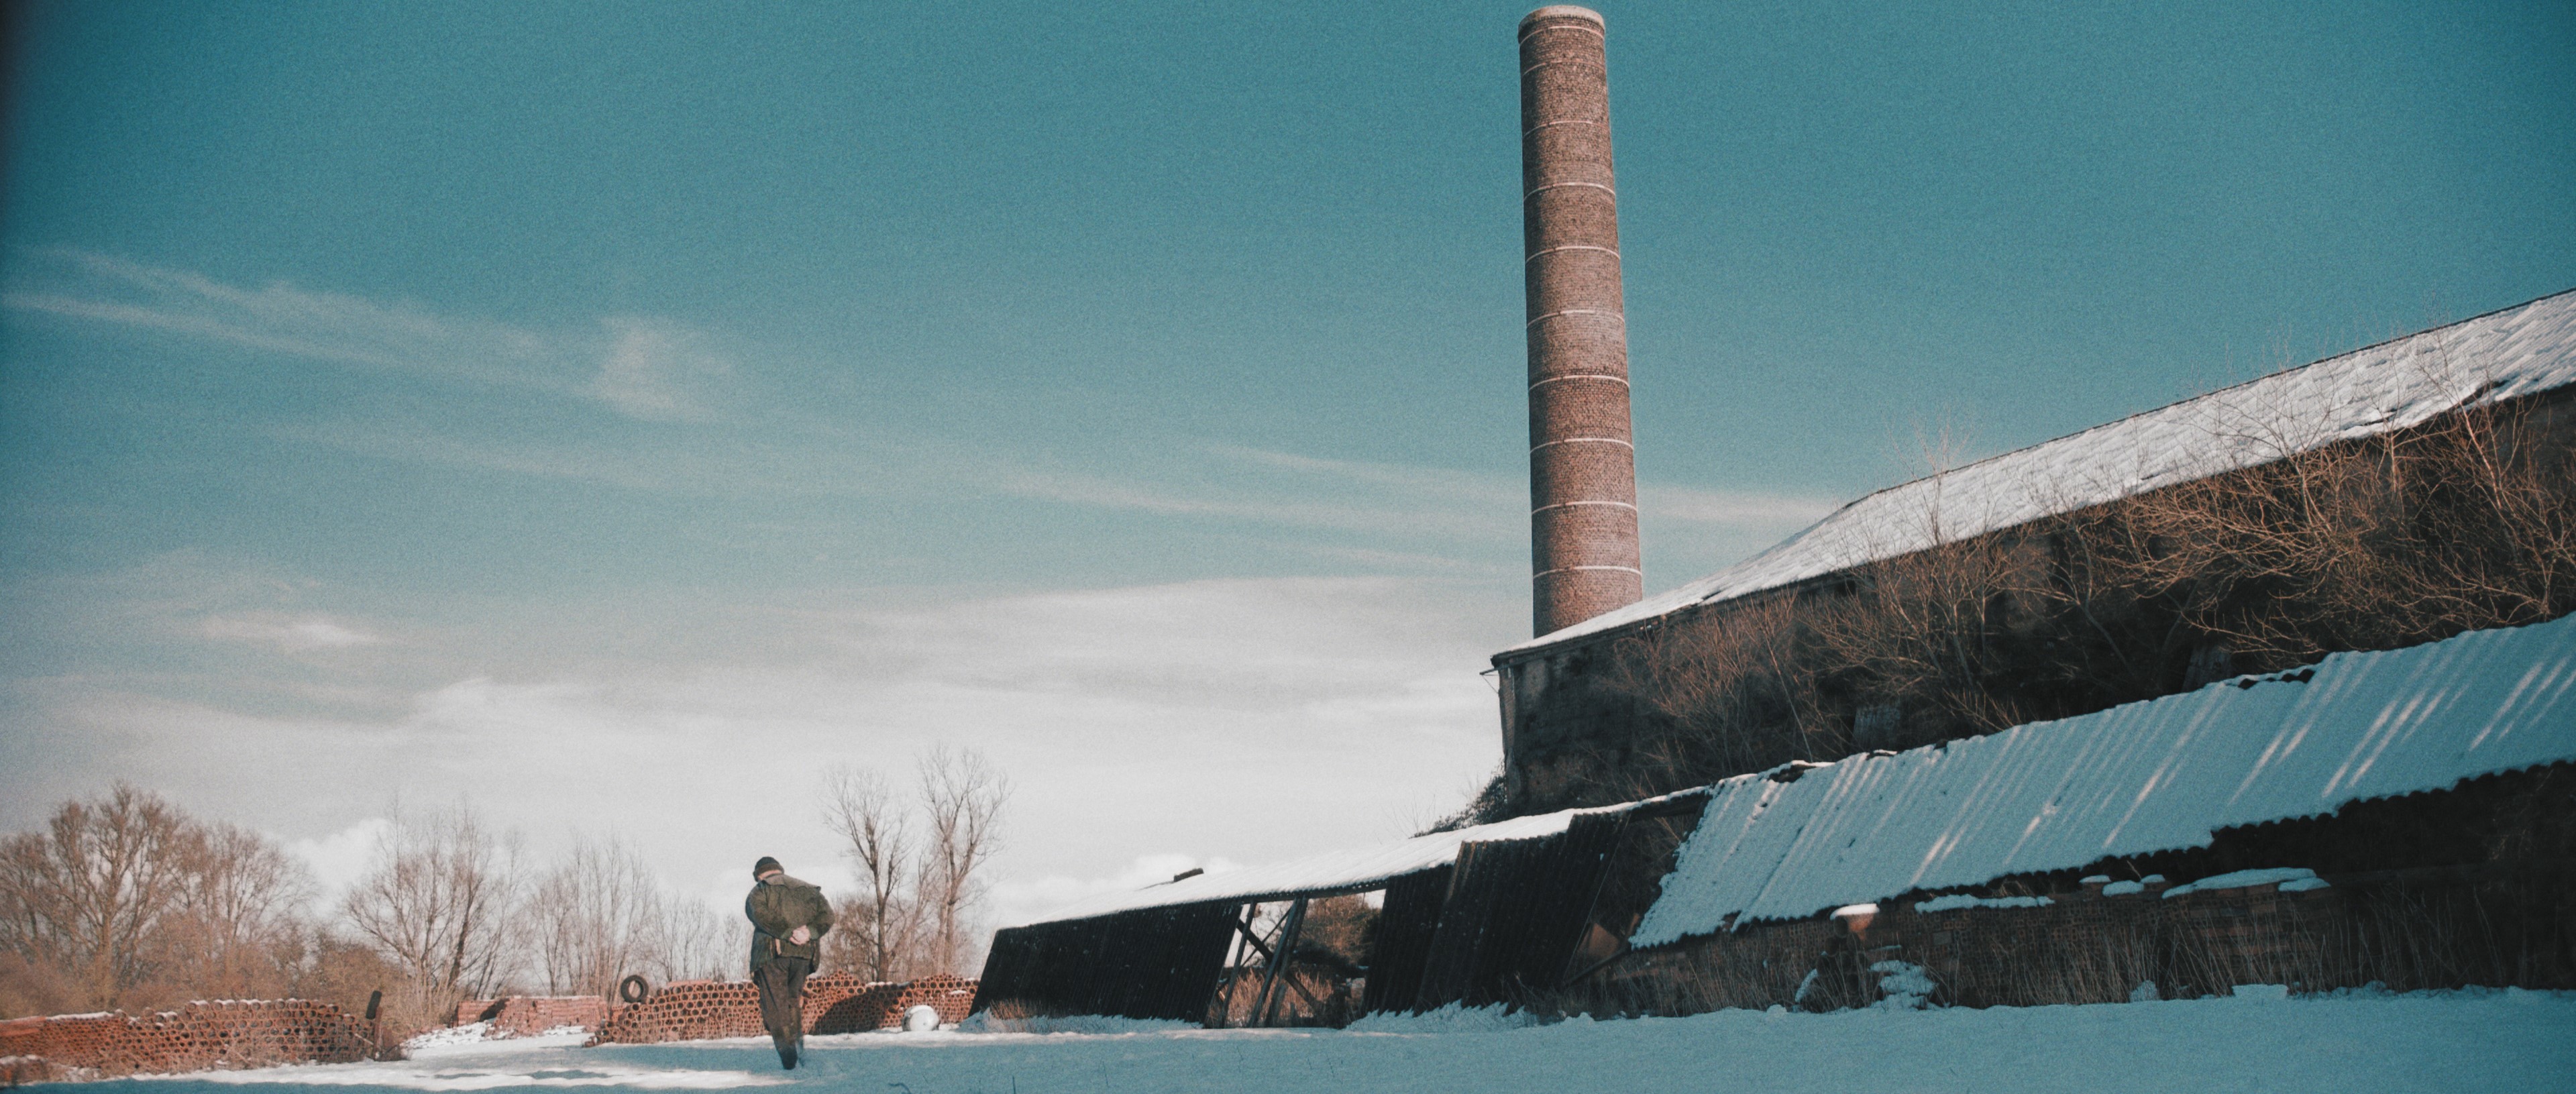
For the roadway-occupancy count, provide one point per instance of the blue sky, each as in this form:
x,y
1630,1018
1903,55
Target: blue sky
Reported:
x,y
617,414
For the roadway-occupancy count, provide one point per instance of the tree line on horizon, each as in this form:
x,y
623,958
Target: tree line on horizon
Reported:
x,y
124,901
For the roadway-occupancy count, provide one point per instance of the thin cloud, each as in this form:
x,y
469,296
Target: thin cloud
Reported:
x,y
294,635
639,367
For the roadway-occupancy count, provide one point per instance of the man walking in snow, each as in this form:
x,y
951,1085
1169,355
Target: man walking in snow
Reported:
x,y
788,918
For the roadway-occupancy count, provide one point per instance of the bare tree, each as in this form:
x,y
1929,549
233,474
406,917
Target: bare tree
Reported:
x,y
127,901
698,942
598,916
89,895
862,808
962,794
436,901
237,925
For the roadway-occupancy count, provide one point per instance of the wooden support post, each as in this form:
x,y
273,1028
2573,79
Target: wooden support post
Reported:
x,y
1287,947
1235,949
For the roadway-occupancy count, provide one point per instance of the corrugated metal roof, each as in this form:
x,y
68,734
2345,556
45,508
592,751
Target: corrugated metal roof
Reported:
x,y
2521,350
1353,869
2158,775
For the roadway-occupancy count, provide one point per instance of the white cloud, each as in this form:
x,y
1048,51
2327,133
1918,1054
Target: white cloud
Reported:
x,y
339,859
658,370
1264,717
294,635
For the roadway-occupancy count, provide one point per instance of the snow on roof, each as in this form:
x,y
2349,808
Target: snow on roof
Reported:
x,y
2521,350
2158,775
1350,870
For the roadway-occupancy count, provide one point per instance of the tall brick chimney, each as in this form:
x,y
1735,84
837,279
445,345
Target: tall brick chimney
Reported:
x,y
1583,470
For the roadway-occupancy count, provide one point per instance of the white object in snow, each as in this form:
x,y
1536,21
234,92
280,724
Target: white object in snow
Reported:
x,y
2501,355
920,1018
2159,775
1902,986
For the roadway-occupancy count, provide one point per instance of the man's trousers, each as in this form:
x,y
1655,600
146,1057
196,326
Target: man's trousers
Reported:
x,y
782,1003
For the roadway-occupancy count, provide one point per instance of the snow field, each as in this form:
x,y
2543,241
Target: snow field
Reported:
x,y
2448,1041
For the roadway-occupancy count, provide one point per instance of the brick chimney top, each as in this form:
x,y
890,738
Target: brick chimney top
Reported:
x,y
1553,11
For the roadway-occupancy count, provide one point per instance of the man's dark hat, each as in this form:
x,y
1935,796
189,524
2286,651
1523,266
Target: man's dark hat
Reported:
x,y
765,865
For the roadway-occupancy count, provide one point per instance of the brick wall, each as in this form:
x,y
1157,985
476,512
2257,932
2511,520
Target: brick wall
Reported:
x,y
2426,930
195,1037
834,1003
529,1015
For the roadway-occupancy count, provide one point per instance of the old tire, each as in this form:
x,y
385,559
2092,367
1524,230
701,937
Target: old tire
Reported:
x,y
633,989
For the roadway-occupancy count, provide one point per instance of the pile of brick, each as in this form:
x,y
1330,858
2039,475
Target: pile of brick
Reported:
x,y
529,1015
877,1007
195,1037
837,1003
691,1010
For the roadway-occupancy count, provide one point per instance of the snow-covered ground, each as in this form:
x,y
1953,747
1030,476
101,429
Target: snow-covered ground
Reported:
x,y
2452,1041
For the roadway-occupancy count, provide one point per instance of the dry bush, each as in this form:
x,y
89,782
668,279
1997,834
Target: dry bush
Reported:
x,y
1739,682
1304,996
1753,970
1926,633
28,988
1337,933
2461,524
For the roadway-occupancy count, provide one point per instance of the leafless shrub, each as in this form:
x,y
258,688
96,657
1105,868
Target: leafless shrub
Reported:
x,y
2463,523
1337,932
1738,684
